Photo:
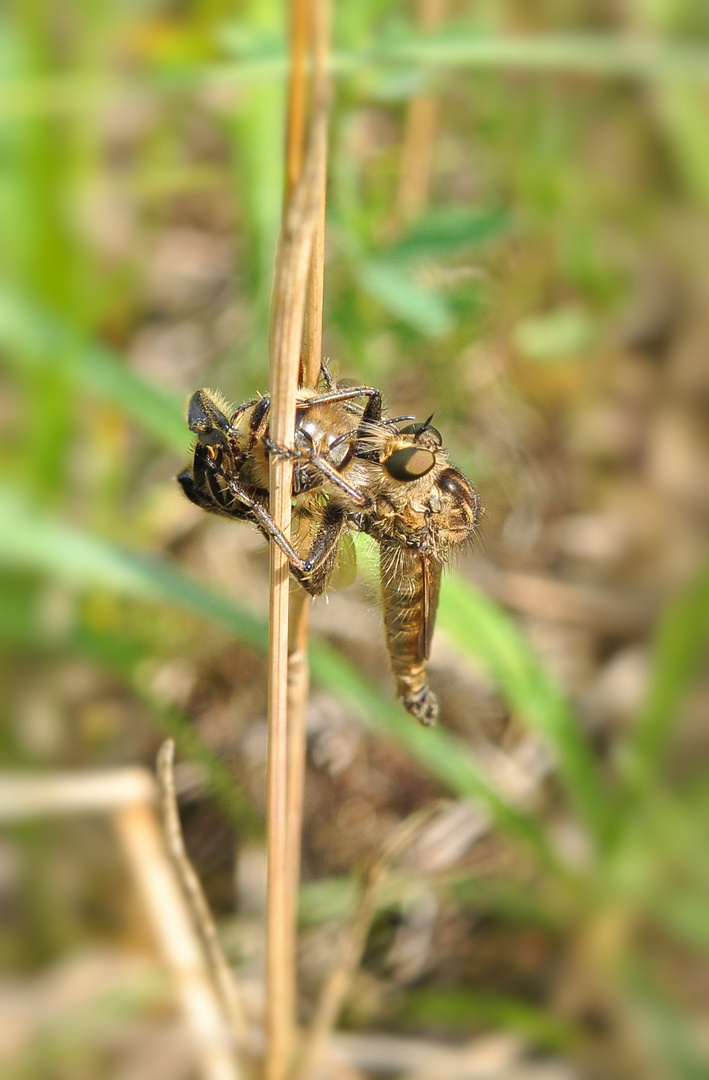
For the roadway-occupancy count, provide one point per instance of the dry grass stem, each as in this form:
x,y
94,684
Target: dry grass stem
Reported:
x,y
101,791
139,833
490,1057
336,1068
128,796
292,267
316,285
298,673
194,894
298,688
419,137
338,982
301,15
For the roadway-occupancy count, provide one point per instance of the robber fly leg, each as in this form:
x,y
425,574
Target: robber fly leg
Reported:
x,y
326,376
373,408
323,466
330,472
291,453
314,572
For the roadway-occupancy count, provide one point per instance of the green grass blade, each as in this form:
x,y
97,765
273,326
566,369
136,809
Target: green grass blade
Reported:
x,y
681,640
671,1041
592,54
483,629
32,339
467,47
32,541
455,48
446,231
458,1009
389,283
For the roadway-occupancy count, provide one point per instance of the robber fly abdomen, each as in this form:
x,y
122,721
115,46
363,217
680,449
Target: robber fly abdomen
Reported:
x,y
409,585
353,469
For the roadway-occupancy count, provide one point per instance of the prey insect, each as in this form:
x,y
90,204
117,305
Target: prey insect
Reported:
x,y
353,469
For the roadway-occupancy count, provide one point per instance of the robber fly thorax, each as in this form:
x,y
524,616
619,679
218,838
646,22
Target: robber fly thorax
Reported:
x,y
353,469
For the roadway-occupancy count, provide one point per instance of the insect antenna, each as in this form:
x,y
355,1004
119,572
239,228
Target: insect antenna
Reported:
x,y
424,426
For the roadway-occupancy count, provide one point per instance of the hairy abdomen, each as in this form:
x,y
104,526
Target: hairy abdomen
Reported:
x,y
410,584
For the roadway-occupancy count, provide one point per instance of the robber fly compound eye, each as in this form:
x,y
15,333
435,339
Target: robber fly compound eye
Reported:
x,y
420,429
410,463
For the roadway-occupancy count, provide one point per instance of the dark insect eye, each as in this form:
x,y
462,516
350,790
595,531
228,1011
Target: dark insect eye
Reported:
x,y
419,429
410,463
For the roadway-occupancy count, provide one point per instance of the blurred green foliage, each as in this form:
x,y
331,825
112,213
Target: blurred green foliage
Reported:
x,y
90,443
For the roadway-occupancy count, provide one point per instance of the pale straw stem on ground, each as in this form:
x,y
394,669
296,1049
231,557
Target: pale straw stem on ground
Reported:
x,y
194,894
128,796
139,833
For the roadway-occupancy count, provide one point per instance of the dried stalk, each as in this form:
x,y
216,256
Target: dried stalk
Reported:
x,y
298,687
140,837
103,790
419,137
488,1057
128,796
300,30
316,285
194,894
339,980
292,266
297,680
298,673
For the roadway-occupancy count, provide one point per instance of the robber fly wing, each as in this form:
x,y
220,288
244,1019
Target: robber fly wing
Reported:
x,y
431,581
345,570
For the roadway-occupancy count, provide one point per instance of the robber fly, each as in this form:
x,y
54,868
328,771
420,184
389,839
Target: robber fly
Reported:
x,y
353,468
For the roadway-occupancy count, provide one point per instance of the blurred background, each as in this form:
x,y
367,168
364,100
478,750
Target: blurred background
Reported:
x,y
517,238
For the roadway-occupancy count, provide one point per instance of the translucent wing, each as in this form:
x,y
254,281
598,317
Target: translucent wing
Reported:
x,y
345,569
430,591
